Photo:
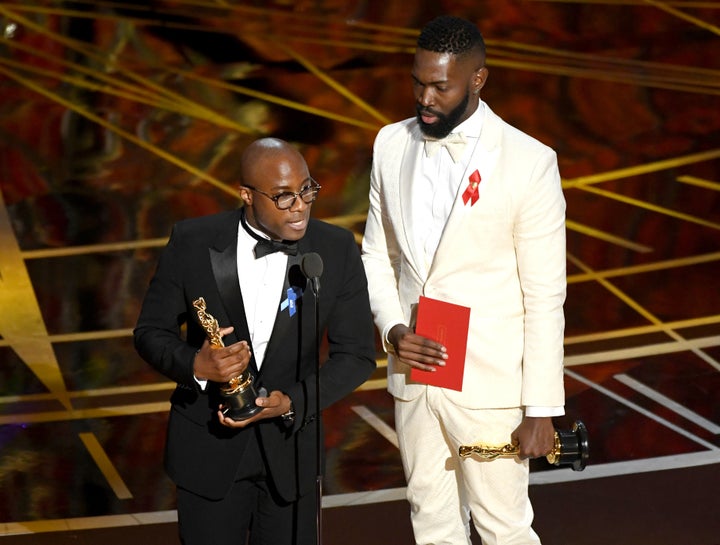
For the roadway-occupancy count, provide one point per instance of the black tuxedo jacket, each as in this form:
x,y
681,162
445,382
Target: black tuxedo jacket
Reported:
x,y
200,261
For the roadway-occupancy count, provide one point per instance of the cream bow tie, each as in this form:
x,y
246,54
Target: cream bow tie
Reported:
x,y
454,143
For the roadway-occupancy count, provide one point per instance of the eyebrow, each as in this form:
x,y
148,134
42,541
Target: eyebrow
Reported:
x,y
286,187
436,82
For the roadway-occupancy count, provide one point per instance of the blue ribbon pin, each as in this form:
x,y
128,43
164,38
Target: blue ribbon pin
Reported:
x,y
293,294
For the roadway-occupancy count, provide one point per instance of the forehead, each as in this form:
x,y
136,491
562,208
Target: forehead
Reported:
x,y
279,171
433,67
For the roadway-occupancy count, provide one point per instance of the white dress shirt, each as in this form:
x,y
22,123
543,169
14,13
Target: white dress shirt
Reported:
x,y
437,187
261,282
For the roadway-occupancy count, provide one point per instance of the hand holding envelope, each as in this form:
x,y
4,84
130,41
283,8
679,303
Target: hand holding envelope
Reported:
x,y
447,324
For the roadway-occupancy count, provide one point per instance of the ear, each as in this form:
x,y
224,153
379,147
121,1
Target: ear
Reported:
x,y
479,79
245,195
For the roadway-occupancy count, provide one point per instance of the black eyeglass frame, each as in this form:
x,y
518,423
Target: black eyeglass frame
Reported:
x,y
312,190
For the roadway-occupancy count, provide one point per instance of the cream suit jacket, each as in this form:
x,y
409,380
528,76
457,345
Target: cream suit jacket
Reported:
x,y
504,257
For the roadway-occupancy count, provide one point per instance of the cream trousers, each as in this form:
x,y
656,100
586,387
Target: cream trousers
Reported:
x,y
445,491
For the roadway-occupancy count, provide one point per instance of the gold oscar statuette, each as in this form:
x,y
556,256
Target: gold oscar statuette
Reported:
x,y
571,448
238,394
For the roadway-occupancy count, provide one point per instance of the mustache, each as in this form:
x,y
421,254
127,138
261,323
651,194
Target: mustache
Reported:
x,y
424,110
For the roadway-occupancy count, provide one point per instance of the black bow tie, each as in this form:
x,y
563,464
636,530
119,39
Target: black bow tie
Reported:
x,y
266,246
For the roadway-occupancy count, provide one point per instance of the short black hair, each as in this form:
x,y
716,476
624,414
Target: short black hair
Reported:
x,y
450,34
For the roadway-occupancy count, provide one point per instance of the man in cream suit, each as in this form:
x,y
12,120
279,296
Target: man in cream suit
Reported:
x,y
479,224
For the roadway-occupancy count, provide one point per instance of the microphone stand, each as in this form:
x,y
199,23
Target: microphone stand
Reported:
x,y
318,490
311,266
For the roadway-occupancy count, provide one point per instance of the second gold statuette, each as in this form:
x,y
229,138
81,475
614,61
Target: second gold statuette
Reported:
x,y
571,448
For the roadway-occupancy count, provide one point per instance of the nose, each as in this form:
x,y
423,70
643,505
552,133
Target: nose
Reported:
x,y
424,96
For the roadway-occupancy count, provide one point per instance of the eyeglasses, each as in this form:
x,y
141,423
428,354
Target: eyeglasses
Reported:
x,y
286,199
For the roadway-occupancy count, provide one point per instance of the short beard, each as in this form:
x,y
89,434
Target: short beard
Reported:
x,y
445,123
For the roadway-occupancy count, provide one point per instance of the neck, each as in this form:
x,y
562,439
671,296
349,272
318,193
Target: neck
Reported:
x,y
252,227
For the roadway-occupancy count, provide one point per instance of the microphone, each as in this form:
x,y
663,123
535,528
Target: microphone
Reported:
x,y
312,267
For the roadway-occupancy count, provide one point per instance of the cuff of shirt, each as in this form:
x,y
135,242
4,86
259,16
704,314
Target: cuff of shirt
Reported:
x,y
544,411
201,383
386,343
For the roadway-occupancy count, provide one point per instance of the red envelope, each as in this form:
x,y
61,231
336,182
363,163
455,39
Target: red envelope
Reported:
x,y
446,323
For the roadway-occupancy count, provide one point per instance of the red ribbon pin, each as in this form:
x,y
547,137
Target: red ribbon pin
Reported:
x,y
471,193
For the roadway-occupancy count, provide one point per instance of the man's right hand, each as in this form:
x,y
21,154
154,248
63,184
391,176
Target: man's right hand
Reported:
x,y
415,350
220,364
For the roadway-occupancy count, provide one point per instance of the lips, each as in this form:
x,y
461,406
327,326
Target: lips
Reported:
x,y
427,116
299,224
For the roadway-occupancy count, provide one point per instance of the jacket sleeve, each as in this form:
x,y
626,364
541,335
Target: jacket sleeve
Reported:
x,y
157,335
539,236
380,249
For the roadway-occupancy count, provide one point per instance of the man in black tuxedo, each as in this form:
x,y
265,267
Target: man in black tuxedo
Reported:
x,y
255,476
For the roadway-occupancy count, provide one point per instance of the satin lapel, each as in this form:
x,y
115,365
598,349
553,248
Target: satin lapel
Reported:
x,y
409,165
224,266
282,337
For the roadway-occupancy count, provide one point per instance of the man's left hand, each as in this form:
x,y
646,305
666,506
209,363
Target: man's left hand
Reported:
x,y
535,436
274,405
